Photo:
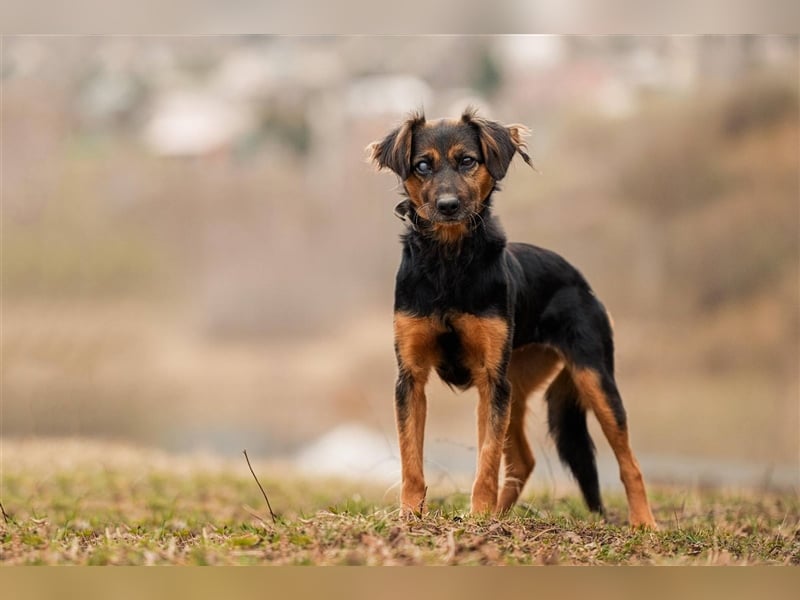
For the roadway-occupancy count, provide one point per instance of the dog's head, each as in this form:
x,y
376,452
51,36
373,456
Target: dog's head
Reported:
x,y
449,167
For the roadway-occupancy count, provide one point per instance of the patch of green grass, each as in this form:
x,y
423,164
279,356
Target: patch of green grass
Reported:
x,y
113,517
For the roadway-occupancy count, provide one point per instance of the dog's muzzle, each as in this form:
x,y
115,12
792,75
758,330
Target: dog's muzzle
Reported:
x,y
447,205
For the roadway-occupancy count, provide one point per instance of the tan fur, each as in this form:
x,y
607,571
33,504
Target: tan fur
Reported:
x,y
592,395
518,134
529,369
411,436
414,190
484,341
454,151
415,339
484,182
403,140
450,233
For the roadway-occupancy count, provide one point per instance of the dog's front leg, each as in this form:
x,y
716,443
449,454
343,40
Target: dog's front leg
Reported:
x,y
416,350
410,410
493,418
486,343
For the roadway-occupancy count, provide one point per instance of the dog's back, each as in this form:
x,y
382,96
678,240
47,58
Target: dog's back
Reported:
x,y
539,275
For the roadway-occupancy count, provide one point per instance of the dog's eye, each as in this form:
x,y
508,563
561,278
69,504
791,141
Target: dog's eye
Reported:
x,y
423,167
467,162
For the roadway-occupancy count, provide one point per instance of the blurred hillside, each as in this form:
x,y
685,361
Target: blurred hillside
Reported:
x,y
195,253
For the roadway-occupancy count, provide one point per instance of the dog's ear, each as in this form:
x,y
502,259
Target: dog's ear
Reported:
x,y
394,151
498,142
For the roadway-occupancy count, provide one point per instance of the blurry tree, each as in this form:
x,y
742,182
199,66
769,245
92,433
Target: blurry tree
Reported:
x,y
487,77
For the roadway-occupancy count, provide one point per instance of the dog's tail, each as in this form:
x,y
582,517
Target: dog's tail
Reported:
x,y
567,422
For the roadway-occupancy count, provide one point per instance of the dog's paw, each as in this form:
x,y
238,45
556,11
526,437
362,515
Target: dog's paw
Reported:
x,y
413,504
644,522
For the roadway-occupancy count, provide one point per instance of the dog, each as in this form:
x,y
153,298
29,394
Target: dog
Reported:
x,y
503,317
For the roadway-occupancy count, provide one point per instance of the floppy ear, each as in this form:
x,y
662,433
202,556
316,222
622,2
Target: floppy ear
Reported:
x,y
499,143
394,151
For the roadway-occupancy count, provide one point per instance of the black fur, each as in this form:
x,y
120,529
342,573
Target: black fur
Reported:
x,y
567,422
472,278
393,152
497,146
401,393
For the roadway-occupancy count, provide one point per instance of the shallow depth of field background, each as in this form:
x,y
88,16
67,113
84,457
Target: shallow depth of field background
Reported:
x,y
196,256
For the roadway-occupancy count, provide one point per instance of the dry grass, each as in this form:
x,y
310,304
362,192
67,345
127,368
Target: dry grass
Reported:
x,y
99,504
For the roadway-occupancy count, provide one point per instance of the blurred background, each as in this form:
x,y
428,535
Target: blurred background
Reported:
x,y
196,255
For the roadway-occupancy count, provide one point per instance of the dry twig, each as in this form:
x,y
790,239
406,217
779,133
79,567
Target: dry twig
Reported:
x,y
272,514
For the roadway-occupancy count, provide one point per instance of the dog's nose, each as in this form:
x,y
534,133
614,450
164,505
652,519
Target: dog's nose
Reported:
x,y
447,205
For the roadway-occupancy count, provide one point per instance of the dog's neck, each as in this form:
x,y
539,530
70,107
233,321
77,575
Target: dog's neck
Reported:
x,y
483,236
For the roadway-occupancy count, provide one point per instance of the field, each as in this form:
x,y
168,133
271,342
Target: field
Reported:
x,y
72,502
219,298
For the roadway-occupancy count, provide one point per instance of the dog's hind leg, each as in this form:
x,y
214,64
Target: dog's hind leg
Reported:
x,y
528,369
519,460
566,418
577,325
598,390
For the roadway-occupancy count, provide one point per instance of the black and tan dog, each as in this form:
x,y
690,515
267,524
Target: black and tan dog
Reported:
x,y
503,317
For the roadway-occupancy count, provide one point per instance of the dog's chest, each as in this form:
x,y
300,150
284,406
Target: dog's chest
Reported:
x,y
470,278
451,362
470,292
459,345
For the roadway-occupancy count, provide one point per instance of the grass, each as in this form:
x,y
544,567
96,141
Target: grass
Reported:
x,y
110,511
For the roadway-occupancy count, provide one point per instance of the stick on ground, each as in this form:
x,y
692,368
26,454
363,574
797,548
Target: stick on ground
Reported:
x,y
272,514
